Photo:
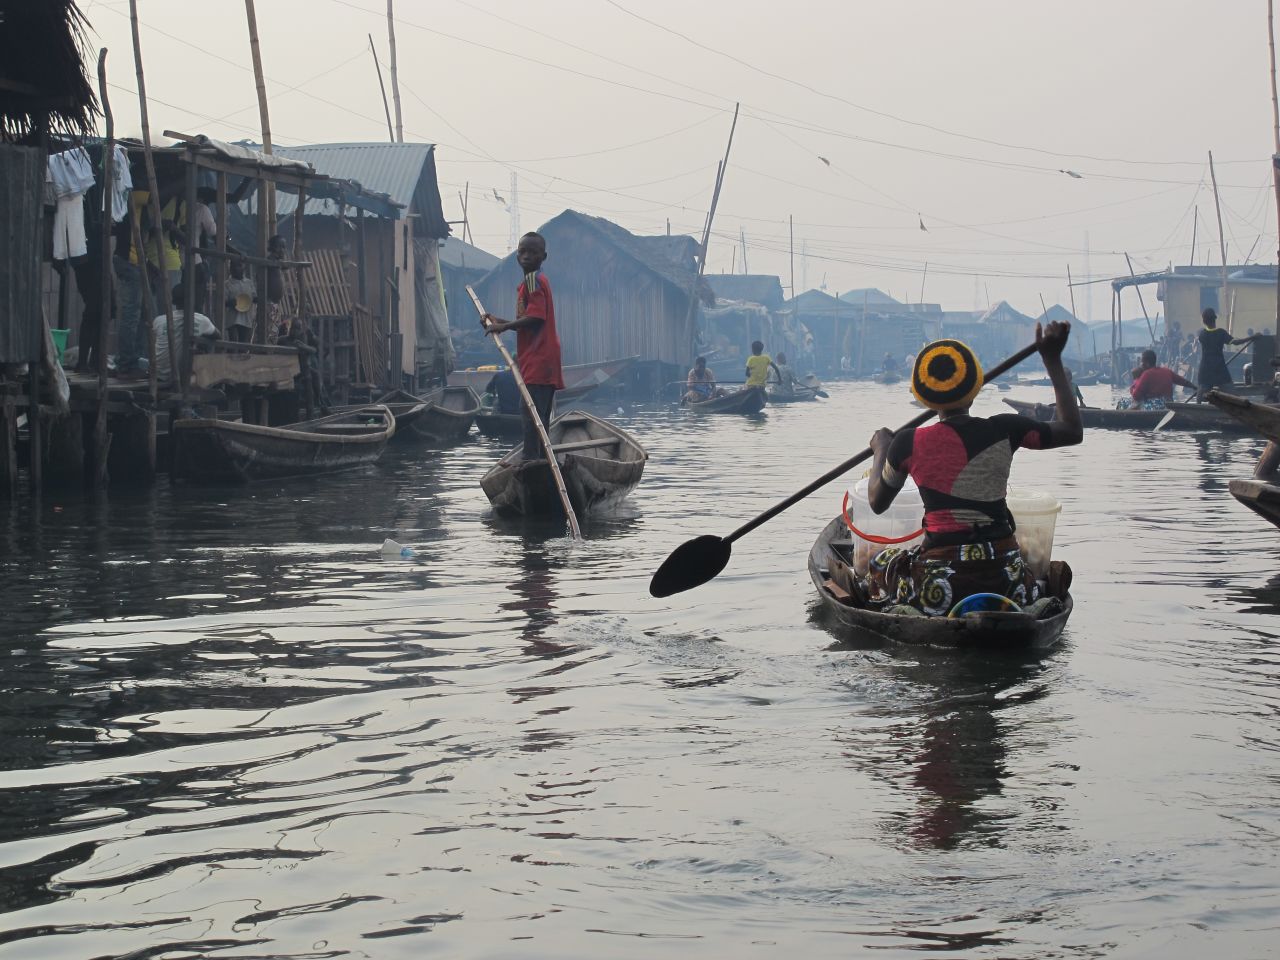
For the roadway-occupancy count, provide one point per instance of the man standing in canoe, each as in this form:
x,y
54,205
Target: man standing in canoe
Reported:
x,y
1212,340
537,344
961,465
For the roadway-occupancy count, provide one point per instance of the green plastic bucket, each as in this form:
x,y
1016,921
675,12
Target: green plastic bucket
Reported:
x,y
60,342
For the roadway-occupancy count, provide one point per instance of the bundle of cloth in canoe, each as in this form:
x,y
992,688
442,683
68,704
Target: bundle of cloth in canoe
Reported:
x,y
969,561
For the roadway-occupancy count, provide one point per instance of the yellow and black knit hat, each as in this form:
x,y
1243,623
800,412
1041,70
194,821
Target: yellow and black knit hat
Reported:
x,y
946,375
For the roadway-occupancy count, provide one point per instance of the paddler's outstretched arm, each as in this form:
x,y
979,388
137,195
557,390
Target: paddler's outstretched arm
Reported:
x,y
1066,427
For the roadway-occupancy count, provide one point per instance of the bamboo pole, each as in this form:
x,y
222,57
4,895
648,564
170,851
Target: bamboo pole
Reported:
x,y
383,87
1143,303
1071,292
547,448
706,231
1275,129
395,82
1222,239
157,221
101,437
264,116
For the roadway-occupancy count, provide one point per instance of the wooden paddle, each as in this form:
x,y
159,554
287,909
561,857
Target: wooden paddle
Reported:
x,y
545,440
701,559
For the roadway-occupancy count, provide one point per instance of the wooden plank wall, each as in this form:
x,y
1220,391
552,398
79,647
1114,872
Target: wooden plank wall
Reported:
x,y
21,220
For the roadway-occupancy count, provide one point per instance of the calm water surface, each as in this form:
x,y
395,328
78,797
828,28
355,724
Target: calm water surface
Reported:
x,y
230,729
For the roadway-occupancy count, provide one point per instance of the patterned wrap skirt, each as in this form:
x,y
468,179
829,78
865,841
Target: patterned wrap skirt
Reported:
x,y
935,580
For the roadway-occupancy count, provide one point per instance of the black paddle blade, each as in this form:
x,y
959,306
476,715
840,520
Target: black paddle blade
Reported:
x,y
690,565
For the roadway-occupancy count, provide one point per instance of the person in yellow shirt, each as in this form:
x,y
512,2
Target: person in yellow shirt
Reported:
x,y
758,365
170,239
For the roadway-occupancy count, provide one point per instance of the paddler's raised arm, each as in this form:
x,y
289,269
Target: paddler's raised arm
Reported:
x,y
1066,426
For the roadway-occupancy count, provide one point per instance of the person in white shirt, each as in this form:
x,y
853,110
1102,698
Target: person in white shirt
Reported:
x,y
203,328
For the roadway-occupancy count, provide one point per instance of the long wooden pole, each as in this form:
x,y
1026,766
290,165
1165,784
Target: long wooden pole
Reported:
x,y
545,440
391,135
1150,329
1071,292
264,116
1222,240
157,222
706,230
395,82
101,437
1275,129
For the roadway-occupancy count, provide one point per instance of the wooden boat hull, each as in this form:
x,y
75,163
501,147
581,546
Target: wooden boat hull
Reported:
x,y
1259,496
595,478
792,396
1095,417
746,401
888,376
984,631
501,426
1187,416
449,415
1260,417
220,451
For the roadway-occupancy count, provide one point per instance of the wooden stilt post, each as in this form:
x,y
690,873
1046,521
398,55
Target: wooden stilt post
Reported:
x,y
220,277
101,436
157,228
1150,329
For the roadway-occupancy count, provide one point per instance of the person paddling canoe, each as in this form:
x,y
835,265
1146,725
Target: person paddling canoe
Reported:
x,y
1152,385
961,465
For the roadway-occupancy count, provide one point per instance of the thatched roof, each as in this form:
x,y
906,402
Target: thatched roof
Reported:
x,y
43,83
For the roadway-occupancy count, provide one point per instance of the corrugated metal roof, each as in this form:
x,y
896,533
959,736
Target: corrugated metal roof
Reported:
x,y
456,253
403,171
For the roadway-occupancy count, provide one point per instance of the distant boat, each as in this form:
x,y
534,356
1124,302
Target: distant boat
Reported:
x,y
222,451
499,425
405,408
579,378
888,376
1187,416
748,400
601,463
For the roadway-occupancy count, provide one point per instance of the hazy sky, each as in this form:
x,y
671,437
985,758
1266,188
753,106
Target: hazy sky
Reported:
x,y
861,119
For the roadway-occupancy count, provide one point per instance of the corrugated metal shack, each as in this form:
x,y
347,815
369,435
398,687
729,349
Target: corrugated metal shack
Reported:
x,y
617,295
407,249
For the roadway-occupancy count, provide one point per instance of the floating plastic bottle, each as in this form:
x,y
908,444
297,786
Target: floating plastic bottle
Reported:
x,y
392,549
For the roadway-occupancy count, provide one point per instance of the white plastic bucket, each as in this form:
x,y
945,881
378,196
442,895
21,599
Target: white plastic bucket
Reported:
x,y
1036,515
898,526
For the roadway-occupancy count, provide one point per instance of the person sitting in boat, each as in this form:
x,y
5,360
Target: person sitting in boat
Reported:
x,y
502,394
1152,385
889,364
758,366
787,381
961,465
1211,341
700,385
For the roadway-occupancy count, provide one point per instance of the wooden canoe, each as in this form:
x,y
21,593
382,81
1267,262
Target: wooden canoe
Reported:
x,y
1259,496
888,376
799,395
748,400
405,407
985,631
501,426
1095,417
221,451
1204,416
449,415
1260,417
601,463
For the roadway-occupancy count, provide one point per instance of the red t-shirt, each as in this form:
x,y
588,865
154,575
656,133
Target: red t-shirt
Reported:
x,y
538,346
1154,384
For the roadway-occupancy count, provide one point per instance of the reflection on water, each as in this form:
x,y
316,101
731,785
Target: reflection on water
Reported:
x,y
230,728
